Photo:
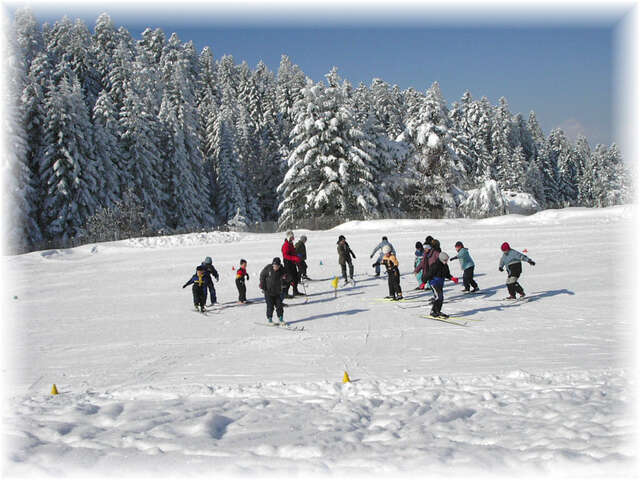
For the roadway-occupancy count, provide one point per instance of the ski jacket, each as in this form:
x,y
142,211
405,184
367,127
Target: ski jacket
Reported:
x,y
271,281
438,271
204,282
379,247
289,252
241,273
210,270
345,253
301,250
465,258
512,256
390,262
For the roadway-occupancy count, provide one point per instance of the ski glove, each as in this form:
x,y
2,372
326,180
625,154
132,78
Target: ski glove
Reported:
x,y
371,256
454,258
184,286
454,279
500,268
247,277
531,262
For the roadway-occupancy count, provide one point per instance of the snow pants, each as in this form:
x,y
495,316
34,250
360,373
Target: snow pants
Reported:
x,y
199,295
292,276
467,278
393,277
343,266
274,301
212,294
376,265
514,271
302,269
436,287
242,289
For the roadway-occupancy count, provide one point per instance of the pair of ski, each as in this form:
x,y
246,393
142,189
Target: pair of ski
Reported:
x,y
460,321
284,326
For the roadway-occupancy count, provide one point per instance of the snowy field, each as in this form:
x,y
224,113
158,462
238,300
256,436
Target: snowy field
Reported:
x,y
543,388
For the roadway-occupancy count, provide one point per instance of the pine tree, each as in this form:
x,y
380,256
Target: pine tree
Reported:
x,y
28,36
67,169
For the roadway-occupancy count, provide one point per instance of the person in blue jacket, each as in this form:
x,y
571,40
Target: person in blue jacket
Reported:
x,y
379,247
200,282
209,269
467,265
511,260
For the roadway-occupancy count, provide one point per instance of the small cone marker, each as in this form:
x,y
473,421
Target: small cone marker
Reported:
x,y
320,262
345,378
525,251
233,268
54,389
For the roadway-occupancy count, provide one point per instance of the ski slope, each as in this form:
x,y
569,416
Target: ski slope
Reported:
x,y
150,387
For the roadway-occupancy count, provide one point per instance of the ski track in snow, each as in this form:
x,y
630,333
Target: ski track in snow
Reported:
x,y
149,387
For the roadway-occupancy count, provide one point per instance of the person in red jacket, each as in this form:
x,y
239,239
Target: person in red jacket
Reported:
x,y
291,261
241,274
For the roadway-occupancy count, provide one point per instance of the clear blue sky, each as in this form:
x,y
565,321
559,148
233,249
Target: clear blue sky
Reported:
x,y
562,72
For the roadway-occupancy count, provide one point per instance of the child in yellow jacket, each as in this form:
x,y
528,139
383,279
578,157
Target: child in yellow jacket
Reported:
x,y
393,273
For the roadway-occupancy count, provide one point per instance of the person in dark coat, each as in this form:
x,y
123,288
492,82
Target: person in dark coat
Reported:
x,y
210,270
291,262
301,251
200,282
390,262
271,279
344,257
438,272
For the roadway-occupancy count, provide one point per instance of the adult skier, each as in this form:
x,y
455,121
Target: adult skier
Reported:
x,y
393,273
467,264
301,251
210,270
344,257
511,260
379,248
291,261
438,272
271,279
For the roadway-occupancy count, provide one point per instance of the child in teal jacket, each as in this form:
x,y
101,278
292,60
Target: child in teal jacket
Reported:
x,y
467,265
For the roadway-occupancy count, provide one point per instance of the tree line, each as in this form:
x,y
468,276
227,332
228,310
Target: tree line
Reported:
x,y
101,124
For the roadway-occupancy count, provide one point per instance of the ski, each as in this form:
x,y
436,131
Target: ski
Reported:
x,y
404,299
284,326
452,320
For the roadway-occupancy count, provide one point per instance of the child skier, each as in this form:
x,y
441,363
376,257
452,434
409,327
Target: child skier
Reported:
x,y
241,274
210,270
467,265
438,271
380,247
419,253
271,279
344,257
200,283
393,273
511,260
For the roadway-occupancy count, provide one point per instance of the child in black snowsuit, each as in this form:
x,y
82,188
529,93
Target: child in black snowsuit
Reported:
x,y
241,274
210,270
201,281
344,257
391,263
438,271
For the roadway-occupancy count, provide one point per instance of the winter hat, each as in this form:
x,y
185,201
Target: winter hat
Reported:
x,y
276,261
443,257
428,240
385,239
505,247
200,268
303,238
208,261
242,260
419,246
341,237
459,244
386,249
289,234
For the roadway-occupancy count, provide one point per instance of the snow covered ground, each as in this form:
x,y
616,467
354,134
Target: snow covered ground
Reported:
x,y
150,387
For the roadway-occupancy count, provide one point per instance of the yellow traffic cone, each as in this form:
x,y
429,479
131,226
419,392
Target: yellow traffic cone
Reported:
x,y
334,283
345,378
54,390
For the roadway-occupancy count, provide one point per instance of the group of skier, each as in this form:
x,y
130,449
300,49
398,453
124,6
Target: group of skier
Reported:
x,y
430,267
